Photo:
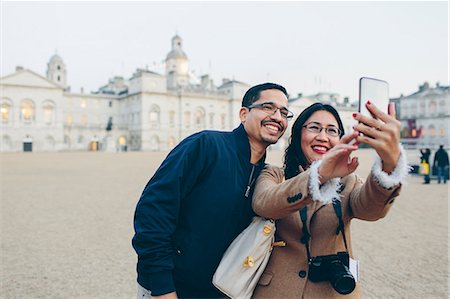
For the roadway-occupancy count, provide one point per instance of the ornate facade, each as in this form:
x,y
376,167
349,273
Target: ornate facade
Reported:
x,y
148,111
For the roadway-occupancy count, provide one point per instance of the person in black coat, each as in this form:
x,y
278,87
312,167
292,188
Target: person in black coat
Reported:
x,y
441,162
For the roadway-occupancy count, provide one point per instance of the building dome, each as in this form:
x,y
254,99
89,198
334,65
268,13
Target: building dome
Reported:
x,y
177,49
55,58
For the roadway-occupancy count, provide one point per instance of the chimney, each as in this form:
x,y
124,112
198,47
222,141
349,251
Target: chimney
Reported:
x,y
19,68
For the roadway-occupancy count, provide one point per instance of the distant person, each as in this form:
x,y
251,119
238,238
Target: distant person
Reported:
x,y
199,199
425,158
316,196
441,162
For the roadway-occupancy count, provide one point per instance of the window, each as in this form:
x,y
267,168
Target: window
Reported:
x,y
58,67
442,131
110,103
442,109
199,118
5,111
83,103
431,131
69,120
422,107
432,107
154,116
59,78
49,113
27,111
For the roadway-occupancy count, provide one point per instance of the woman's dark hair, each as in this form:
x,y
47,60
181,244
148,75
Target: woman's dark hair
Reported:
x,y
254,93
294,156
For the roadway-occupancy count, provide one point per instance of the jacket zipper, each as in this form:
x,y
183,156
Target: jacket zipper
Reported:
x,y
251,180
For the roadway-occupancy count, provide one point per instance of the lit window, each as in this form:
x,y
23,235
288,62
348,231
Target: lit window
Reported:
x,y
84,120
83,103
48,114
27,111
5,111
431,131
442,132
69,120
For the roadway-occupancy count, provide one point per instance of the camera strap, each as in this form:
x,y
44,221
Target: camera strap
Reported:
x,y
307,236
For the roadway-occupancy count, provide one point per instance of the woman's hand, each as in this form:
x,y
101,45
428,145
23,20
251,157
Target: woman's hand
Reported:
x,y
336,162
382,132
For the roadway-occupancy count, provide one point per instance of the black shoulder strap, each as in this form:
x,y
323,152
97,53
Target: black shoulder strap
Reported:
x,y
306,236
338,210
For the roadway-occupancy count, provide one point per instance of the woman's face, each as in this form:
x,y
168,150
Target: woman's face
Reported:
x,y
315,145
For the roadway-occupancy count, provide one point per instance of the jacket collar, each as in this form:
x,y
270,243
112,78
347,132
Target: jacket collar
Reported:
x,y
243,145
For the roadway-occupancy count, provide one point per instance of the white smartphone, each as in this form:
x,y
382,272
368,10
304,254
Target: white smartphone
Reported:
x,y
374,90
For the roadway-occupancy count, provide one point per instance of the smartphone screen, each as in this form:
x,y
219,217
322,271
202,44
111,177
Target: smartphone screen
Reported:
x,y
374,90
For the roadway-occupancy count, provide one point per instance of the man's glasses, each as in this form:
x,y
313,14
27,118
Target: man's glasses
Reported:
x,y
270,109
316,129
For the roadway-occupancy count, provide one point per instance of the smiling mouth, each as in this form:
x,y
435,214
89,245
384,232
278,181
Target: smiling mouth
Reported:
x,y
274,129
319,149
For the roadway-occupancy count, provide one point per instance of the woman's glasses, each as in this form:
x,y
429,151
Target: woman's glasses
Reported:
x,y
317,128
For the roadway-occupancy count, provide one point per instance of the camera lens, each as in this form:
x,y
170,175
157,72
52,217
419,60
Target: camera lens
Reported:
x,y
341,278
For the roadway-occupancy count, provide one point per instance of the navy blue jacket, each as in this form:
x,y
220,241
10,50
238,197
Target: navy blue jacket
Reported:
x,y
193,207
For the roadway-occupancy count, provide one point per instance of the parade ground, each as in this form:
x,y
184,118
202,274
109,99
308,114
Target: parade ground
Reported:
x,y
67,224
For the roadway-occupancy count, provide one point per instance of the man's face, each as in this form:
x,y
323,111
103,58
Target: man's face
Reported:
x,y
262,126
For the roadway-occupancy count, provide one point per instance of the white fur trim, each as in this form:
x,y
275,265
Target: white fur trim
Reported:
x,y
398,176
325,193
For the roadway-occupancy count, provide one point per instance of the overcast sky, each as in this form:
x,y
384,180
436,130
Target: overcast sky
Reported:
x,y
308,47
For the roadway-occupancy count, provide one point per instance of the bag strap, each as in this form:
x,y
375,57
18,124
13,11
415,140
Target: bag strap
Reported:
x,y
338,210
307,236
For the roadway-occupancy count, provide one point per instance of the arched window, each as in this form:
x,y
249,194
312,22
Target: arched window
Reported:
x,y
154,116
67,141
422,107
49,112
49,144
432,106
154,143
442,107
6,145
442,131
27,111
6,111
199,118
432,131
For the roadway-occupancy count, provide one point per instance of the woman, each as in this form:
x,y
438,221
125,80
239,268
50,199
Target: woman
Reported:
x,y
317,182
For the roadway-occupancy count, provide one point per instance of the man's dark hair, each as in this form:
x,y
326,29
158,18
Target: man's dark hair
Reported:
x,y
254,93
294,156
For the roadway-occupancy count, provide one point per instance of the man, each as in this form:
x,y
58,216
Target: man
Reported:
x,y
199,199
441,162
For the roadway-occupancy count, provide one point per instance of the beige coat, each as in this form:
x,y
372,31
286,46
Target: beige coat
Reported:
x,y
286,274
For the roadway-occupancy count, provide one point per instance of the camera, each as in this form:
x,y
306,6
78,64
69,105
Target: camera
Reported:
x,y
333,268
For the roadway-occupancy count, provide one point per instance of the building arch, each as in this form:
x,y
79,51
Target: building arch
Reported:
x,y
49,110
27,143
122,142
6,145
431,131
49,143
27,111
154,143
200,118
6,110
154,115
